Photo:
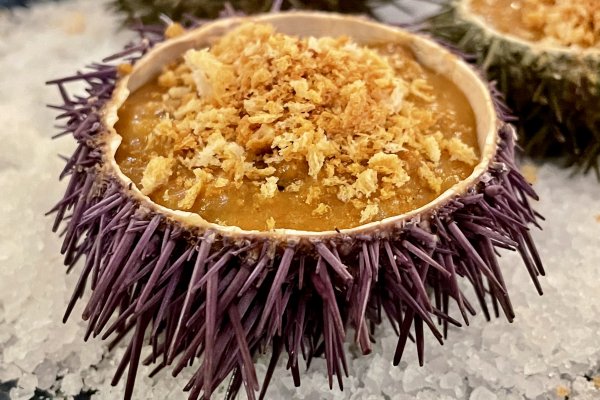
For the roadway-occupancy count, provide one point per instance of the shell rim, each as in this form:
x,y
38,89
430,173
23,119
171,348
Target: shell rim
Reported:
x,y
193,221
465,12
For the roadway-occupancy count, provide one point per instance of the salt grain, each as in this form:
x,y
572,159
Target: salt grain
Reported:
x,y
482,393
46,373
26,385
71,384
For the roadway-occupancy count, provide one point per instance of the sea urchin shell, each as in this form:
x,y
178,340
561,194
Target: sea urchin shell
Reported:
x,y
219,296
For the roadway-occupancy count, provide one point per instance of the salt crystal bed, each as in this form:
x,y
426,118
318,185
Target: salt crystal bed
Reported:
x,y
551,351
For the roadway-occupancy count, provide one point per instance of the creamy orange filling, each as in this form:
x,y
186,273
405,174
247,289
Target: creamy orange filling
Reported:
x,y
557,22
266,131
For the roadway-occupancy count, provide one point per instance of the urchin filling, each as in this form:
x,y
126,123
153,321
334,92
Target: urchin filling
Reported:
x,y
311,134
553,22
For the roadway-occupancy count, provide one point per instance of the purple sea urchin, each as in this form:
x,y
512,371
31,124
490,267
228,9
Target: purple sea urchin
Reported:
x,y
219,295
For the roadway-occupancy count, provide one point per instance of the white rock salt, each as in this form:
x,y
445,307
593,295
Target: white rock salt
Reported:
x,y
482,393
71,384
450,380
25,387
46,372
413,379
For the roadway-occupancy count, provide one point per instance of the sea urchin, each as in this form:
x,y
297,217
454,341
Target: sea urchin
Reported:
x,y
219,295
150,11
545,57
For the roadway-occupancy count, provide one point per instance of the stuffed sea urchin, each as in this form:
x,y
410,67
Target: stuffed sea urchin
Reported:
x,y
202,291
545,57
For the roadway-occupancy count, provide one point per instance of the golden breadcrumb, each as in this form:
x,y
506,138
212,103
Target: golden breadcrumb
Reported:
x,y
458,150
554,22
562,391
269,187
360,123
369,212
429,175
564,22
157,173
174,30
194,187
321,209
124,69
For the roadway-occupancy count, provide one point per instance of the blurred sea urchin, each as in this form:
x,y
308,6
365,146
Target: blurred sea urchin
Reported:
x,y
149,11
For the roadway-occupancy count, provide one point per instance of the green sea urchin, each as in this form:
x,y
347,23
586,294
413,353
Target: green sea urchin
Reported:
x,y
220,295
149,11
547,70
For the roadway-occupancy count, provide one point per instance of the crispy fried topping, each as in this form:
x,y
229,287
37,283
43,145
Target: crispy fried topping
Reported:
x,y
554,22
258,102
157,173
124,69
564,22
174,30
